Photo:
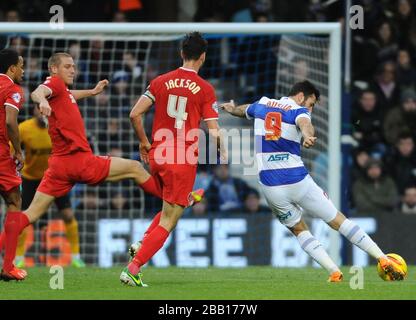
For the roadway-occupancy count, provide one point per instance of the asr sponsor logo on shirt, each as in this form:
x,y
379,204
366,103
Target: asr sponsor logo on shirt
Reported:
x,y
278,157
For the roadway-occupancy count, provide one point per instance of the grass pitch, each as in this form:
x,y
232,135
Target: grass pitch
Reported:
x,y
253,283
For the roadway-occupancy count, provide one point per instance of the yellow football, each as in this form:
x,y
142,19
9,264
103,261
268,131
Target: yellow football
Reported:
x,y
398,260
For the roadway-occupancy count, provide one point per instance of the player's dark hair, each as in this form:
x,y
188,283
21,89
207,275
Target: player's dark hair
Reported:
x,y
193,45
250,192
8,57
410,185
363,92
306,87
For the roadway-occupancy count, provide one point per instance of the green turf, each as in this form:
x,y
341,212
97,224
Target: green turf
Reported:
x,y
206,284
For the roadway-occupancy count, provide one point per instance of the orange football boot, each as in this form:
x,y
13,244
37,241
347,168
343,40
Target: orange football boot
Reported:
x,y
392,268
336,276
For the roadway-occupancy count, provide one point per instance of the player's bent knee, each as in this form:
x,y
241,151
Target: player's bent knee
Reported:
x,y
14,205
133,167
38,206
337,221
13,200
298,228
140,173
138,168
122,169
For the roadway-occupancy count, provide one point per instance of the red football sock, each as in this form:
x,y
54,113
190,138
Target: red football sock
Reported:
x,y
15,222
151,244
152,187
154,224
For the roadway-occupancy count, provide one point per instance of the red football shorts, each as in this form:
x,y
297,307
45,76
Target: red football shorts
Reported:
x,y
176,180
80,167
9,177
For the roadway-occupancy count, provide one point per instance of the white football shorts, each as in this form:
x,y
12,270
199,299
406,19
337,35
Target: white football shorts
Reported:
x,y
288,201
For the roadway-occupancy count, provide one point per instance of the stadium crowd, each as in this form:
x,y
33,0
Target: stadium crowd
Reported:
x,y
383,112
383,115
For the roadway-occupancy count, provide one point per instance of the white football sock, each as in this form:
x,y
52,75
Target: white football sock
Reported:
x,y
361,239
315,249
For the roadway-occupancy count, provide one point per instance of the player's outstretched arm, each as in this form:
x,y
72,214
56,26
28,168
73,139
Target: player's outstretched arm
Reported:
x,y
215,131
136,116
231,108
81,94
308,131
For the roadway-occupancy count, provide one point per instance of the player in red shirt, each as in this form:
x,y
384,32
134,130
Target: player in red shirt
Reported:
x,y
72,160
181,99
11,101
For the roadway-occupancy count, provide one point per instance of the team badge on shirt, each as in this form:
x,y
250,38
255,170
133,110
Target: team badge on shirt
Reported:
x,y
215,106
16,97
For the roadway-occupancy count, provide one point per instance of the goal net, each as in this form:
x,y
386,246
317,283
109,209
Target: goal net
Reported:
x,y
242,65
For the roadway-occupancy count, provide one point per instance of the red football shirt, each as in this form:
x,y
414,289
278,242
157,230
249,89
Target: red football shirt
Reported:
x,y
66,126
11,95
181,99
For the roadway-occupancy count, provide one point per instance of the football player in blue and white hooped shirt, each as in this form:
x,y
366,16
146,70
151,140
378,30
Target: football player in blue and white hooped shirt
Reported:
x,y
279,128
